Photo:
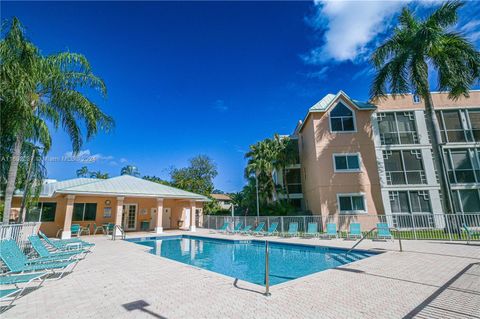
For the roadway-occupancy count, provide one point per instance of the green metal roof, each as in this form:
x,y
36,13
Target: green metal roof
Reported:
x,y
127,185
48,189
326,102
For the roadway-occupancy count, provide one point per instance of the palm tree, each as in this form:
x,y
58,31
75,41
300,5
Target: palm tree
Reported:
x,y
418,48
35,89
99,175
286,155
130,170
83,172
261,162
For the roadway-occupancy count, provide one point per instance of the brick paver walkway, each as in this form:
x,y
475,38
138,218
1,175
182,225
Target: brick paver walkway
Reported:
x,y
120,280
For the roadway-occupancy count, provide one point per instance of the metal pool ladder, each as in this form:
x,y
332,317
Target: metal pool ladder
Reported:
x,y
122,232
369,232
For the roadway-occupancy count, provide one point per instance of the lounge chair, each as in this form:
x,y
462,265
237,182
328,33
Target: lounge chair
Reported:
x,y
312,230
259,229
16,261
383,231
354,231
245,230
43,252
470,233
237,228
16,280
66,244
224,228
272,230
331,231
292,230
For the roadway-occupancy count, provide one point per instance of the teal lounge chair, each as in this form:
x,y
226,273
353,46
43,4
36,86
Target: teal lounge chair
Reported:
x,y
43,252
16,280
292,230
16,261
259,229
272,230
224,228
470,233
331,231
383,231
312,230
354,231
246,230
237,228
67,244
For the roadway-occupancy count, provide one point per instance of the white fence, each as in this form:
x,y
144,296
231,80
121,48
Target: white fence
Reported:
x,y
19,232
416,226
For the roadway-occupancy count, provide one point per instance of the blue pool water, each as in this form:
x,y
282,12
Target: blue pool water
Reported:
x,y
245,259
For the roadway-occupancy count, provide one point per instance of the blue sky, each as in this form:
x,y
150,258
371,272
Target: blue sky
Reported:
x,y
190,78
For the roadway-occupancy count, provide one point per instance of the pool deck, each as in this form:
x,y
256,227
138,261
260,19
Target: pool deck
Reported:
x,y
429,279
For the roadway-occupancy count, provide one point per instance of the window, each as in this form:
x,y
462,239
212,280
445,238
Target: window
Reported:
x,y
451,127
404,167
397,128
346,162
408,202
84,211
342,119
43,212
294,181
416,99
474,120
463,165
351,203
466,201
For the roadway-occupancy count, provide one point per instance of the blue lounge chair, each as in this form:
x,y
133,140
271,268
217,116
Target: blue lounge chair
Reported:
x,y
312,230
383,231
224,228
12,294
246,230
272,230
292,230
66,244
331,231
16,280
355,231
16,261
237,228
470,233
259,229
43,252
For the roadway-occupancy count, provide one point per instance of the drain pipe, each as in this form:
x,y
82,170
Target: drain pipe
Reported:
x,y
267,278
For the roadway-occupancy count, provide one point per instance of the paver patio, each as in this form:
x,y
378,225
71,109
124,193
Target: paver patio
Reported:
x,y
120,280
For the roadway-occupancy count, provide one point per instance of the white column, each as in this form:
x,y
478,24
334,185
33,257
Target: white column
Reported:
x,y
66,233
159,217
192,216
118,214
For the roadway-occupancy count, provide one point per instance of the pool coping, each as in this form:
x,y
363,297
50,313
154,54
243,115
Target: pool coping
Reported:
x,y
133,240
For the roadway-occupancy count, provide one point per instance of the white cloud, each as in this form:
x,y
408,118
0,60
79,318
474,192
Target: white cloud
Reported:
x,y
220,106
86,156
320,74
472,30
349,27
123,160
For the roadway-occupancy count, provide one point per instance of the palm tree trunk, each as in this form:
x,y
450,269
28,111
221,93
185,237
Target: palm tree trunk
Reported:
x,y
274,190
12,176
285,183
438,156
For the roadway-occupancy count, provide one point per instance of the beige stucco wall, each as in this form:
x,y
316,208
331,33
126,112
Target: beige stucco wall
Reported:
x,y
177,207
322,183
440,100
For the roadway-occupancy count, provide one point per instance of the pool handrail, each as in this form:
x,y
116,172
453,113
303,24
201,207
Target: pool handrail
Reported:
x,y
369,232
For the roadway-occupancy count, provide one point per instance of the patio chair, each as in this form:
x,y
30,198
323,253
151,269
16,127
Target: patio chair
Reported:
x,y
470,233
43,252
245,230
312,230
331,231
383,231
15,280
85,230
237,228
259,229
354,231
16,261
109,228
76,230
97,228
292,230
66,244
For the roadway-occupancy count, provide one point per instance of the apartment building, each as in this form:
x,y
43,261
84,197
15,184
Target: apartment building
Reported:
x,y
376,158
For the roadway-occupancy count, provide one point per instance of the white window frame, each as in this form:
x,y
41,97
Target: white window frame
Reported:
x,y
352,212
337,170
353,115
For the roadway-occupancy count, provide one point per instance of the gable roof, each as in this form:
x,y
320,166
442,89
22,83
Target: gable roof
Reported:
x,y
223,197
328,101
124,185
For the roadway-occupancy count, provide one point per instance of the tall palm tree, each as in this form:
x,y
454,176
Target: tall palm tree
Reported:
x,y
130,170
83,172
286,154
261,162
99,175
418,48
35,89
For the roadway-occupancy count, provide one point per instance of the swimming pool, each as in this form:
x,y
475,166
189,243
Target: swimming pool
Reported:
x,y
245,259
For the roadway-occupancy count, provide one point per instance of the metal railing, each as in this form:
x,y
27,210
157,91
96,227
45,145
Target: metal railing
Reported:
x,y
370,232
120,229
19,232
410,226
